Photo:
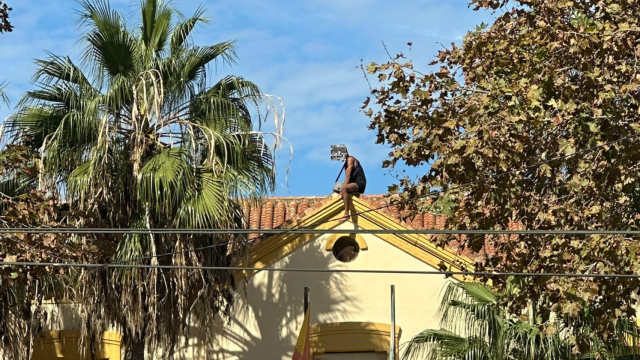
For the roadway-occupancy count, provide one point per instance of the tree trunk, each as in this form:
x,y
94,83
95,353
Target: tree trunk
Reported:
x,y
135,348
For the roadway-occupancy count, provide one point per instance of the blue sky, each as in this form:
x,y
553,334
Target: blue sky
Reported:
x,y
305,51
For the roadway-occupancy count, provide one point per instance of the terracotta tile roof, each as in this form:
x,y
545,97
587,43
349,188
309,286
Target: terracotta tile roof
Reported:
x,y
276,212
273,212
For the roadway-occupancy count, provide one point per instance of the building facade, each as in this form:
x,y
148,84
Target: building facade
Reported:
x,y
350,311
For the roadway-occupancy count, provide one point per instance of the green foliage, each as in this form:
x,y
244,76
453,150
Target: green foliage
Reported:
x,y
546,78
137,136
475,326
3,95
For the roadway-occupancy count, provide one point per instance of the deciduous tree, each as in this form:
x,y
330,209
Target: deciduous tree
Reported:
x,y
24,288
533,122
5,25
475,326
140,136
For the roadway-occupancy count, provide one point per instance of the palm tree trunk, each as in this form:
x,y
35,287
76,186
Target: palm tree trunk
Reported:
x,y
135,348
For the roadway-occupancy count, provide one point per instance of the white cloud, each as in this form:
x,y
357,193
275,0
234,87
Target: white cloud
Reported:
x,y
303,51
313,83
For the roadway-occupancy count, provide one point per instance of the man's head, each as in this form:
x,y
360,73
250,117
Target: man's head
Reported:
x,y
339,152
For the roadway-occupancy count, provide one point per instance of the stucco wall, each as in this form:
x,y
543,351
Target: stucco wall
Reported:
x,y
269,308
270,313
352,356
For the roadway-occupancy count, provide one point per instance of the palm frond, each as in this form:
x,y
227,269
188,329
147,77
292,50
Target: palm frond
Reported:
x,y
31,125
206,203
111,48
236,87
156,24
3,94
62,96
57,68
200,57
443,344
183,30
165,179
470,308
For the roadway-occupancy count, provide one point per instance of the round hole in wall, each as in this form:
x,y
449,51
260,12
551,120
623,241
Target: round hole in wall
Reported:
x,y
346,249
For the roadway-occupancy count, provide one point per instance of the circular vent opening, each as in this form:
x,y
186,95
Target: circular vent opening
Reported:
x,y
345,249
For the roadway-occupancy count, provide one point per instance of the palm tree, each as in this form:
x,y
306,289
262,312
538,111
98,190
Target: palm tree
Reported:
x,y
136,135
3,95
474,326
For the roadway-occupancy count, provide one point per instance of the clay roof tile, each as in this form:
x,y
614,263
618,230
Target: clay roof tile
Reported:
x,y
286,211
417,222
279,215
266,221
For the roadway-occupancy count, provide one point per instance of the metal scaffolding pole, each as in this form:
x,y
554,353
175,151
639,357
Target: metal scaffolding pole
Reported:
x,y
392,346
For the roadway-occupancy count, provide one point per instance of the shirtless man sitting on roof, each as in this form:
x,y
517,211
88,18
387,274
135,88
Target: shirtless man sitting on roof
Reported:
x,y
354,181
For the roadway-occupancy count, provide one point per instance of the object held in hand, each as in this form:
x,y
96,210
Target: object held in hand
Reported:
x,y
338,153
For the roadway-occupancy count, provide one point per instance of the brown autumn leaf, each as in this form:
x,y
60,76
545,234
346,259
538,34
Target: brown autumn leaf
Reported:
x,y
366,102
5,24
526,97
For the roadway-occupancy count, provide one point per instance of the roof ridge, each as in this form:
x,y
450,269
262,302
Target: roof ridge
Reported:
x,y
280,212
315,197
297,197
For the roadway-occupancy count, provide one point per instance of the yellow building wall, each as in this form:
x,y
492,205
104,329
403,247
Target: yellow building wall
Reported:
x,y
65,345
269,310
60,337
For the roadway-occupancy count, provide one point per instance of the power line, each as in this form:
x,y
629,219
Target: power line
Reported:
x,y
298,270
148,257
265,232
32,248
397,232
296,231
306,230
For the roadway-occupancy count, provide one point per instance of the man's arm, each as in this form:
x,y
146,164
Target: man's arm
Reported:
x,y
347,173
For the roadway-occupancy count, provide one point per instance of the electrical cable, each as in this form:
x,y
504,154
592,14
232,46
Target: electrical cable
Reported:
x,y
31,247
305,230
436,232
265,232
396,232
359,271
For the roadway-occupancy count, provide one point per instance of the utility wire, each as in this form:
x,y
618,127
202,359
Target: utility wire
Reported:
x,y
336,231
31,247
299,270
357,231
265,232
305,230
396,232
